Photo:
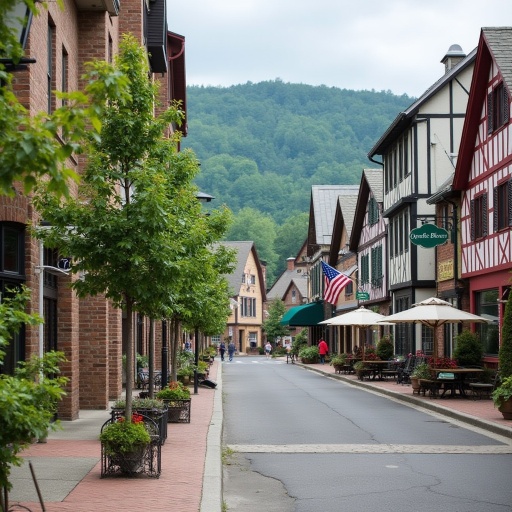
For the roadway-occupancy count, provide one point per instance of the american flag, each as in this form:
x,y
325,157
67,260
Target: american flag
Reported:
x,y
334,282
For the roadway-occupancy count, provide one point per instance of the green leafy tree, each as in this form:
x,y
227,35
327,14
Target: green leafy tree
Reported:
x,y
272,326
505,353
135,223
35,146
28,399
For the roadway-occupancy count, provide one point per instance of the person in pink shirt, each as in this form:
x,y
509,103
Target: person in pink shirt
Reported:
x,y
323,350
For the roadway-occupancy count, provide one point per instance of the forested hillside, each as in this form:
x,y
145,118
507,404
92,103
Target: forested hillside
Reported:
x,y
262,146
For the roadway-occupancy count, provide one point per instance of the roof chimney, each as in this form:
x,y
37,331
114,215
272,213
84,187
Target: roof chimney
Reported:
x,y
290,262
453,56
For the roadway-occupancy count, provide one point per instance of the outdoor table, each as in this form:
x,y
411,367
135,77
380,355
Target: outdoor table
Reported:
x,y
457,383
376,367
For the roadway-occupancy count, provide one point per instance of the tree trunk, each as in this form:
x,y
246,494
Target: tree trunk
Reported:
x,y
174,349
151,357
129,359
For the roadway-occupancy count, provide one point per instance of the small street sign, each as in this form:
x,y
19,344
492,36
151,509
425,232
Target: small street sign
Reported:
x,y
362,296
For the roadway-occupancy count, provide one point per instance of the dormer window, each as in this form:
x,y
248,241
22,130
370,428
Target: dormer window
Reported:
x,y
498,110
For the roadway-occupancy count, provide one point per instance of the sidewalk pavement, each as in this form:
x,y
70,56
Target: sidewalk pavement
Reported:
x,y
67,467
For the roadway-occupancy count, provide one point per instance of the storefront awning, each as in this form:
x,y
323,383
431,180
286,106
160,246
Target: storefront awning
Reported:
x,y
306,315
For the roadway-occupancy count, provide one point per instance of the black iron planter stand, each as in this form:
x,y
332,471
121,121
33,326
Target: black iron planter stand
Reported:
x,y
178,411
147,461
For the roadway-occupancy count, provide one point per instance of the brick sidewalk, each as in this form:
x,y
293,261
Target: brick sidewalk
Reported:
x,y
178,489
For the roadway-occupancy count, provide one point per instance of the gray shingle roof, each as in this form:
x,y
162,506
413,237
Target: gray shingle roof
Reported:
x,y
243,249
324,199
298,276
348,205
374,178
499,40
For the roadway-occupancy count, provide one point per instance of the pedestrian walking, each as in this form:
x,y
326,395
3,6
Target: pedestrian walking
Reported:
x,y
231,350
323,350
222,350
268,350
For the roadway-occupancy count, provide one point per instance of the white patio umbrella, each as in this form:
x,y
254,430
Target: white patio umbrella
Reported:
x,y
362,318
433,313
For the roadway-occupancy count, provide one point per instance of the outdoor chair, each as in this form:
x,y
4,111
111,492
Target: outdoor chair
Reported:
x,y
404,372
483,389
391,370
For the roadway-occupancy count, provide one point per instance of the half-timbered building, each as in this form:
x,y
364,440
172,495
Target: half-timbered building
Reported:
x,y
369,240
484,177
417,154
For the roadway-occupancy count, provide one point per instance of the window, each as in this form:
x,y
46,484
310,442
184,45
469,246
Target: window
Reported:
x,y
487,305
349,289
248,307
373,212
403,332
12,275
50,62
294,296
498,110
215,339
427,340
503,205
478,217
365,268
377,266
64,74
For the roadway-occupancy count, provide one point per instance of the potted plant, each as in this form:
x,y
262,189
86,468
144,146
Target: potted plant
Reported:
x,y
338,361
385,348
360,369
421,371
309,355
185,373
502,398
177,399
125,443
468,349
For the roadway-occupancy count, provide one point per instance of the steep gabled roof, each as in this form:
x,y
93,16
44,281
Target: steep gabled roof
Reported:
x,y
324,199
405,118
372,182
235,278
495,44
281,286
344,216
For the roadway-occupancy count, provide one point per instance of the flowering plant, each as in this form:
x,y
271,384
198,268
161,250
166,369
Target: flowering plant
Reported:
x,y
121,437
370,354
442,362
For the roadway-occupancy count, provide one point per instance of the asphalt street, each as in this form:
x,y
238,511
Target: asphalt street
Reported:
x,y
298,441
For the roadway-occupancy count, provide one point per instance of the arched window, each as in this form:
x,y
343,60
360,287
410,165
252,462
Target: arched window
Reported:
x,y
12,276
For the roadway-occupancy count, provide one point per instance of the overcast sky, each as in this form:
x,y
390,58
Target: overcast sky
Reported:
x,y
394,45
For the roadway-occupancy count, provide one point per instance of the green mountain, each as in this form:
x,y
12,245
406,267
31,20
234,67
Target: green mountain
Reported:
x,y
262,146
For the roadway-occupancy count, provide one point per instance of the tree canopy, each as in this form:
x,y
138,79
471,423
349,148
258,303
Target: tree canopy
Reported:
x,y
263,145
135,231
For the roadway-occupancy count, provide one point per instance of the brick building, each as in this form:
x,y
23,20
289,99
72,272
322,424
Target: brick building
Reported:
x,y
89,331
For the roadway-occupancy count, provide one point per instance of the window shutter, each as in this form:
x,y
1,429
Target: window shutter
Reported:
x,y
509,201
496,209
506,106
472,209
485,216
489,113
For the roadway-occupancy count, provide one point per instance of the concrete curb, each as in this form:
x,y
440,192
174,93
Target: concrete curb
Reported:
x,y
211,499
431,406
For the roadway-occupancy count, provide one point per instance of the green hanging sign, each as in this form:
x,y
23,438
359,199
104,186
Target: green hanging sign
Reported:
x,y
428,236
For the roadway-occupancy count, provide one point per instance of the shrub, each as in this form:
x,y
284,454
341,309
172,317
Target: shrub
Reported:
x,y
468,349
309,354
505,353
385,348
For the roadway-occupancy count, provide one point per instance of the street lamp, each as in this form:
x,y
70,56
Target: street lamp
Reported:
x,y
19,19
